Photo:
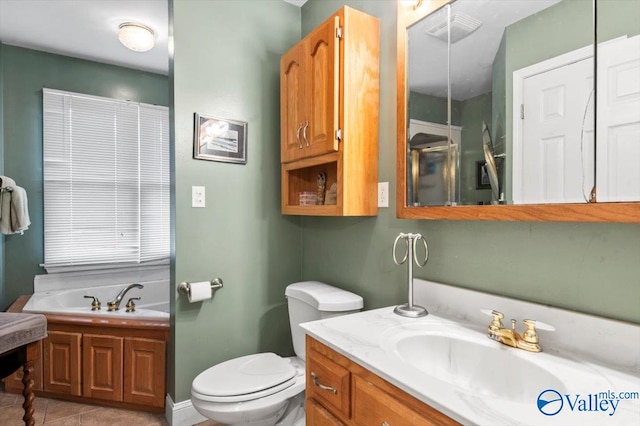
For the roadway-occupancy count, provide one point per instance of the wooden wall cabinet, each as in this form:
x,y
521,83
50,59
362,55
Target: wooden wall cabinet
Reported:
x,y
329,109
341,392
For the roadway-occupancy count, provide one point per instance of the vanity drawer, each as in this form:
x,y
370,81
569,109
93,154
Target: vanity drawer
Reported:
x,y
328,383
373,406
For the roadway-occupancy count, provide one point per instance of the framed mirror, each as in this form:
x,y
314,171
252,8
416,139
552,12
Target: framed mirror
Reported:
x,y
497,113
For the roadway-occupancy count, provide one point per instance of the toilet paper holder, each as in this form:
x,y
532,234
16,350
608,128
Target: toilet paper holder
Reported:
x,y
185,287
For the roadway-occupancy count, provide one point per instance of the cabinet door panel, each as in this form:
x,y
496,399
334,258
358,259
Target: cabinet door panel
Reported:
x,y
373,406
292,102
102,373
144,371
318,416
322,90
62,363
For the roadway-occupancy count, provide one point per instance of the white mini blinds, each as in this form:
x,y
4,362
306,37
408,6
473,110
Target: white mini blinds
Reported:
x,y
106,181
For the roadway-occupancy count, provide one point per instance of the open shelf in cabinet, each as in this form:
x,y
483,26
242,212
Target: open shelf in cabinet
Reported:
x,y
303,176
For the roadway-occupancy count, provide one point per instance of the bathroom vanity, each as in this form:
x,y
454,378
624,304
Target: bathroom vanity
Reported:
x,y
341,392
378,368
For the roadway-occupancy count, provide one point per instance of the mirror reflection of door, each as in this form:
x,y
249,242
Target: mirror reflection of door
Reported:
x,y
554,155
618,150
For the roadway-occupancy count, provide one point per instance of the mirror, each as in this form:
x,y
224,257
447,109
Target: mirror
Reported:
x,y
468,72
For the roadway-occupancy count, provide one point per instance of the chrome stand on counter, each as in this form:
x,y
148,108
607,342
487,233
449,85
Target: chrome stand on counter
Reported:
x,y
409,309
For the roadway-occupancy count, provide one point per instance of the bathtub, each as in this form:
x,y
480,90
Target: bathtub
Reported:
x,y
153,303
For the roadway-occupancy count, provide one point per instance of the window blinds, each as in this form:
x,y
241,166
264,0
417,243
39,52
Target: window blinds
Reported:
x,y
106,181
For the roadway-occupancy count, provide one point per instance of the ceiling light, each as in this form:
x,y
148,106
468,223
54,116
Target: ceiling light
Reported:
x,y
137,37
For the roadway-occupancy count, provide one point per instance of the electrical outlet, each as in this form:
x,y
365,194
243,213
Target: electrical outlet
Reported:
x,y
197,196
383,194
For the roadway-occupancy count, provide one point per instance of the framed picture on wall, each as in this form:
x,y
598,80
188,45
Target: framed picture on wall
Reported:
x,y
219,139
482,175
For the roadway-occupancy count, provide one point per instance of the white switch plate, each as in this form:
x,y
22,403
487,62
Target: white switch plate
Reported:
x,y
197,196
383,194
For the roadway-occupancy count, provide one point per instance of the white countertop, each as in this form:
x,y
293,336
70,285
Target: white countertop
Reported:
x,y
367,338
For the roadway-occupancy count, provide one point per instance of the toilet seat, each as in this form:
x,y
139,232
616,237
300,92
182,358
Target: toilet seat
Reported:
x,y
245,378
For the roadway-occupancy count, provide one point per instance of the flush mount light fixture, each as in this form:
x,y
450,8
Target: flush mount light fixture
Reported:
x,y
136,37
412,4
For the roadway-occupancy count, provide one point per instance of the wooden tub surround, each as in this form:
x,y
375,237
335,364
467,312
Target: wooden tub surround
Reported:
x,y
106,361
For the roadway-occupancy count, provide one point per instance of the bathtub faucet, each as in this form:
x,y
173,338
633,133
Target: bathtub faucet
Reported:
x,y
114,305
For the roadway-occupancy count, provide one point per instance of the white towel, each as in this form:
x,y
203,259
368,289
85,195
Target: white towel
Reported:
x,y
6,186
15,211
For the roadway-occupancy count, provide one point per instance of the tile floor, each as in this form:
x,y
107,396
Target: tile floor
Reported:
x,y
53,412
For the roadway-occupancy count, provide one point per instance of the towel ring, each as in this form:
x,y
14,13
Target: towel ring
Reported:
x,y
411,239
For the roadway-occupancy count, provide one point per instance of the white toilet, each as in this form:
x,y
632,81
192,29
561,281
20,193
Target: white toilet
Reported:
x,y
265,389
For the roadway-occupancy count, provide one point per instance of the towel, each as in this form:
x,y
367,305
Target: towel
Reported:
x,y
15,211
6,186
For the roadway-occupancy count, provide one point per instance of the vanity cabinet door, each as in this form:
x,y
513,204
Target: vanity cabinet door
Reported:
x,y
373,406
318,416
144,370
61,363
102,372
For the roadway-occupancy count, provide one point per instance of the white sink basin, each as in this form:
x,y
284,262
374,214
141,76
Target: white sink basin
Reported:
x,y
477,367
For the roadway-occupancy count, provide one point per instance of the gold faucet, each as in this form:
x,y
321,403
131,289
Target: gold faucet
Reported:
x,y
510,337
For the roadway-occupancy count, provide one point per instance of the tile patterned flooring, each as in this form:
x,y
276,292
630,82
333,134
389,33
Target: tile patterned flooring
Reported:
x,y
53,412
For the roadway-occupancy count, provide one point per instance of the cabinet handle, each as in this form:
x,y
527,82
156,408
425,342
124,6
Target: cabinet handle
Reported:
x,y
384,424
321,386
298,135
304,132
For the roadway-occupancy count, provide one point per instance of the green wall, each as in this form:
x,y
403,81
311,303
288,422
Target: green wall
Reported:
x,y
25,72
433,109
226,64
590,268
473,112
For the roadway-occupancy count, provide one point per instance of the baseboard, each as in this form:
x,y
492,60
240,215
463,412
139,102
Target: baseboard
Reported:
x,y
182,413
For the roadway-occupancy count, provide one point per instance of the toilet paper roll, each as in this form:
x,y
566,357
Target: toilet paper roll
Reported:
x,y
199,291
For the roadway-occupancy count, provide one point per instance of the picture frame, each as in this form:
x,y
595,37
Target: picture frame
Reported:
x,y
219,139
482,176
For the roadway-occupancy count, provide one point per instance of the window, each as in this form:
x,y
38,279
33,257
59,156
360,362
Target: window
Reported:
x,y
106,182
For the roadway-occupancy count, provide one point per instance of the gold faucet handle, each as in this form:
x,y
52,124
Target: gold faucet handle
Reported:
x,y
496,321
130,306
530,334
95,304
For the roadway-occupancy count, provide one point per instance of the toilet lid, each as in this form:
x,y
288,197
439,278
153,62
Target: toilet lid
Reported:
x,y
248,377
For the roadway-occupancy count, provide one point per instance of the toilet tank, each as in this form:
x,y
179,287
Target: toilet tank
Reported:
x,y
313,300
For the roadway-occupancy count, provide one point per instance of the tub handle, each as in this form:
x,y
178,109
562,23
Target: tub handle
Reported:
x,y
95,304
130,306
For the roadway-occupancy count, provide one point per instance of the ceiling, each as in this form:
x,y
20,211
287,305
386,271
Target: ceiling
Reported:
x,y
88,29
471,57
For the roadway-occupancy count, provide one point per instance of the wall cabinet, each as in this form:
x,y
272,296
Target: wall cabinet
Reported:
x,y
113,362
329,108
341,392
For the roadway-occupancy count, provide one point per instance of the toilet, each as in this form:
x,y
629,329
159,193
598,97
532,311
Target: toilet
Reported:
x,y
265,389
